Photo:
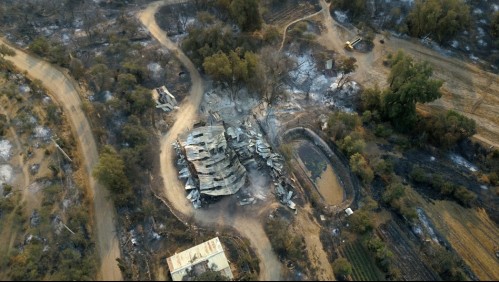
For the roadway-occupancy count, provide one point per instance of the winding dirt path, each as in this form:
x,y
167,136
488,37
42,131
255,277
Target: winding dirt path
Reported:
x,y
467,89
65,91
247,225
293,22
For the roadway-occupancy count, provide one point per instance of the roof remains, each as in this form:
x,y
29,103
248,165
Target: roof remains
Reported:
x,y
217,166
198,259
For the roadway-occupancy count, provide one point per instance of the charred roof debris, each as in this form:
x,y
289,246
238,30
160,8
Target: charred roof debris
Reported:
x,y
213,160
164,99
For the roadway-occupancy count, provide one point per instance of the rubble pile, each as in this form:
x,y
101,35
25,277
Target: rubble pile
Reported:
x,y
211,159
209,166
248,144
165,101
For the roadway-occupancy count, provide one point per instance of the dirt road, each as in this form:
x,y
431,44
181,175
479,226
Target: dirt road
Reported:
x,y
65,91
467,89
250,227
293,22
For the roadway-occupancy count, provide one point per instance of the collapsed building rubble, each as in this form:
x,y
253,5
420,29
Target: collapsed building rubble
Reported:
x,y
213,159
165,100
208,164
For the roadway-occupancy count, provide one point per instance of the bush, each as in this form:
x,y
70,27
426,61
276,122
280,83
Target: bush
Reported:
x,y
393,192
445,130
341,124
361,221
359,165
418,174
342,268
493,178
382,131
352,144
464,196
371,99
282,241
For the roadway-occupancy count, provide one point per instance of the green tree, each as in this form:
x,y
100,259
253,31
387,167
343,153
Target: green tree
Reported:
x,y
371,99
40,46
6,51
342,268
464,196
494,25
445,130
125,82
202,42
393,192
246,14
110,171
410,83
133,133
355,8
341,124
218,66
234,69
140,101
447,264
361,221
359,165
100,77
352,144
77,68
441,19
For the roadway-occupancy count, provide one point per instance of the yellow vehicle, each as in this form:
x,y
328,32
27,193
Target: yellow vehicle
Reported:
x,y
349,45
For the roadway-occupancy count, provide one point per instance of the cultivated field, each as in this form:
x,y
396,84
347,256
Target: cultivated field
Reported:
x,y
470,232
363,266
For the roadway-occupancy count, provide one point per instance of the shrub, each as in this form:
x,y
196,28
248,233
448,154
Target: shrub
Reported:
x,y
382,131
352,144
359,165
418,174
342,268
361,221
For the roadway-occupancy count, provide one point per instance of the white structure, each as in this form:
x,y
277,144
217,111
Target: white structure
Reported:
x,y
198,259
349,211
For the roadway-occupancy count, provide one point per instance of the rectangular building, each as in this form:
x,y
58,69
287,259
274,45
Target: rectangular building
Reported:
x,y
198,259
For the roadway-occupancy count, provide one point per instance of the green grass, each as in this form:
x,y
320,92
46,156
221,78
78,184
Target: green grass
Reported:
x,y
363,266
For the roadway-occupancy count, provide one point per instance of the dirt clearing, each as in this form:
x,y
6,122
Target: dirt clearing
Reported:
x,y
467,89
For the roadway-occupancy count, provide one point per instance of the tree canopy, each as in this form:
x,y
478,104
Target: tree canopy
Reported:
x,y
494,25
233,68
342,268
441,19
110,171
6,51
246,14
355,8
410,83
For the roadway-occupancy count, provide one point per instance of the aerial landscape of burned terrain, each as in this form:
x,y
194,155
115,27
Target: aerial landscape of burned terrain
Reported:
x,y
269,140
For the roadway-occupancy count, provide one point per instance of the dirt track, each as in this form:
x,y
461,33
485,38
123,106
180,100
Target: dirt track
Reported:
x,y
467,89
250,227
65,91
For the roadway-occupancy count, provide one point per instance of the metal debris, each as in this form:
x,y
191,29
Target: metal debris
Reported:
x,y
216,166
166,101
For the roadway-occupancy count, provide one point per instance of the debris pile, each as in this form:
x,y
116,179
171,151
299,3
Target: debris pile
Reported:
x,y
248,144
5,148
211,158
165,100
208,164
